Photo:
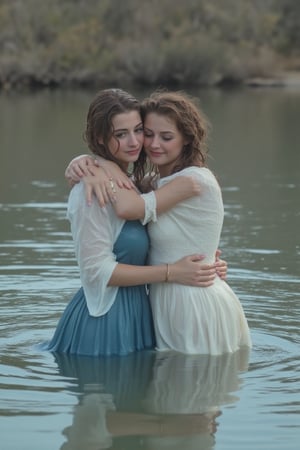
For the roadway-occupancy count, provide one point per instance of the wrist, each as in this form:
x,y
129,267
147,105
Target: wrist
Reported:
x,y
168,272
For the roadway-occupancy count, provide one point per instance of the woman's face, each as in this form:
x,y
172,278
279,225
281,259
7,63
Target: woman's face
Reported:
x,y
128,137
163,142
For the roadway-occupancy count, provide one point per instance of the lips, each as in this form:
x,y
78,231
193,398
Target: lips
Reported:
x,y
155,154
133,152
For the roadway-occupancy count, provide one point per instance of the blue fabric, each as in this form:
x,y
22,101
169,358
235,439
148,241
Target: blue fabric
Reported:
x,y
127,326
126,378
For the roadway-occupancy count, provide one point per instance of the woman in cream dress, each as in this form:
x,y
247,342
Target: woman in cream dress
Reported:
x,y
186,319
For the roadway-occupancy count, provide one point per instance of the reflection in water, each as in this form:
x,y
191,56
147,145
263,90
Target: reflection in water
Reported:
x,y
257,163
150,400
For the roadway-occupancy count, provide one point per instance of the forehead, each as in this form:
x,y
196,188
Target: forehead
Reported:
x,y
160,122
126,120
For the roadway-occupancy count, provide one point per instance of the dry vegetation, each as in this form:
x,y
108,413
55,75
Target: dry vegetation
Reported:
x,y
170,42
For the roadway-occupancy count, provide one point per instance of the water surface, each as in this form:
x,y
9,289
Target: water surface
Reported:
x,y
151,400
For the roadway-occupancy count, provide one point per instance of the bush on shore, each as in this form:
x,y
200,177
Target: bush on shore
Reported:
x,y
196,42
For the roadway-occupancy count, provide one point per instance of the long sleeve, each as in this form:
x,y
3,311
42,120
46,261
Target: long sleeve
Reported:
x,y
94,232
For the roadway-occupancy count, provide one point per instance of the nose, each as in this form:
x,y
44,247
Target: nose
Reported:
x,y
154,142
133,142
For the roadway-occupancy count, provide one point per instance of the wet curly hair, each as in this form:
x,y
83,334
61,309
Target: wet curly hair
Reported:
x,y
103,108
189,120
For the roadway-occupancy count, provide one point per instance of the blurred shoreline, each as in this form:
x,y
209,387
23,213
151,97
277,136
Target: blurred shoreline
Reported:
x,y
282,79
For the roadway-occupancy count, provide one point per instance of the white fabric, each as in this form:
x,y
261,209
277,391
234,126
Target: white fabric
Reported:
x,y
190,319
94,230
88,430
150,207
205,383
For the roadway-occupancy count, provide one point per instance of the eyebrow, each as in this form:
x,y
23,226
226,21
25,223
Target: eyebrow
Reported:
x,y
125,129
120,129
162,132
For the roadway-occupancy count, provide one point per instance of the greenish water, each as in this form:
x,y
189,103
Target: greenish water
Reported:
x,y
155,401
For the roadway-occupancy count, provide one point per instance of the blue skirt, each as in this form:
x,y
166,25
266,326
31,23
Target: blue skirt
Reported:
x,y
126,378
127,326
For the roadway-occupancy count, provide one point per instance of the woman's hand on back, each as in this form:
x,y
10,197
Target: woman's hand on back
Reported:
x,y
190,271
221,266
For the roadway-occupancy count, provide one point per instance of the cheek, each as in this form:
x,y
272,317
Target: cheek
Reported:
x,y
177,148
141,139
113,146
147,142
115,149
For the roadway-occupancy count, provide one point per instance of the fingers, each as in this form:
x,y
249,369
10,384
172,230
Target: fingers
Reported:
x,y
71,183
221,266
75,172
105,193
113,182
128,183
78,169
205,275
191,271
88,194
89,161
221,269
218,254
125,183
197,257
121,178
209,271
71,176
82,169
205,284
111,190
100,194
206,280
91,170
222,274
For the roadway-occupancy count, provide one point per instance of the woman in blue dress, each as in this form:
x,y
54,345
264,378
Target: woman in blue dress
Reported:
x,y
110,314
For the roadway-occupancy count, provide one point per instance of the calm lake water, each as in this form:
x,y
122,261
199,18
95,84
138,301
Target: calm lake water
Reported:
x,y
151,401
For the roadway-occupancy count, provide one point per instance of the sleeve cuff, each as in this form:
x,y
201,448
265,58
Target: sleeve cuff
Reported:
x,y
150,207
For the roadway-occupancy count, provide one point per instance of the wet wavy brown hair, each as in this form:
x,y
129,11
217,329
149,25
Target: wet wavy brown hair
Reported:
x,y
189,120
103,108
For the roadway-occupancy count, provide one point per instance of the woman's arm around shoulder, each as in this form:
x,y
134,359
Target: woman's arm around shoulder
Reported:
x,y
129,205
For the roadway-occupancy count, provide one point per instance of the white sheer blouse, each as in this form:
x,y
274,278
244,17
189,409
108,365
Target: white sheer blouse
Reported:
x,y
94,231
